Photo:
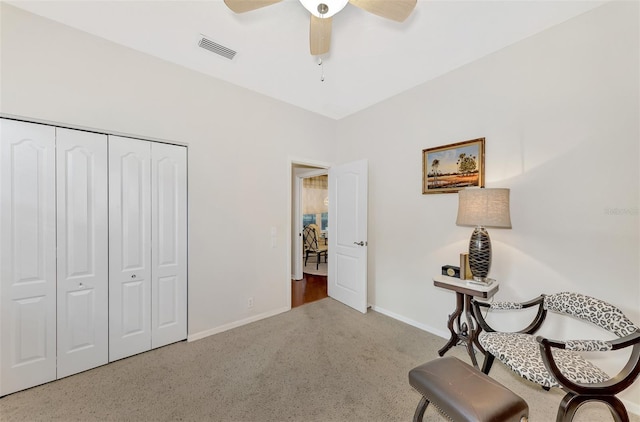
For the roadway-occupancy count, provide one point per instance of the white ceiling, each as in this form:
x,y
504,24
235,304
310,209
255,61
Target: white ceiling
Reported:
x,y
371,58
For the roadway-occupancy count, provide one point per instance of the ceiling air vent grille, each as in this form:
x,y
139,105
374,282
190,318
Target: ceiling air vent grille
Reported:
x,y
214,47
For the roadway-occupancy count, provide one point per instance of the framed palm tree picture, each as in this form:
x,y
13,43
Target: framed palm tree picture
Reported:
x,y
449,168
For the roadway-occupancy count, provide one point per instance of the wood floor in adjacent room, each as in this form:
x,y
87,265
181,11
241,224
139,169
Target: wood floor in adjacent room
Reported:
x,y
309,289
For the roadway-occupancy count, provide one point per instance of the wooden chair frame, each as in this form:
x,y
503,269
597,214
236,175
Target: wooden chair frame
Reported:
x,y
310,241
576,393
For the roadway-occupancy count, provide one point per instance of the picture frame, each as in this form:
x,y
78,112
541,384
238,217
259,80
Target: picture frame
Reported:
x,y
450,168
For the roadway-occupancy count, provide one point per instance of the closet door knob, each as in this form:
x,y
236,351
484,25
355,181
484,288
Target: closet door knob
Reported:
x,y
133,276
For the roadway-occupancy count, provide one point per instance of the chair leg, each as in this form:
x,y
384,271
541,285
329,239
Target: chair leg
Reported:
x,y
617,409
318,260
422,406
488,362
571,402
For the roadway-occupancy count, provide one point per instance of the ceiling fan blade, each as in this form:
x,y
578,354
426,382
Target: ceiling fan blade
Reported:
x,y
241,6
319,35
397,10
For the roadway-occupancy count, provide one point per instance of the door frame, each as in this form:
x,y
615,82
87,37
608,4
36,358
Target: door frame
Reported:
x,y
298,213
294,207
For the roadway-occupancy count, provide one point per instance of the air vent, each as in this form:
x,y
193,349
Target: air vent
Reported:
x,y
214,47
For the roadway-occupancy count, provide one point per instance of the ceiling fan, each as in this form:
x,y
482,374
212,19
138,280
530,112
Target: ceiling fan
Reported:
x,y
323,10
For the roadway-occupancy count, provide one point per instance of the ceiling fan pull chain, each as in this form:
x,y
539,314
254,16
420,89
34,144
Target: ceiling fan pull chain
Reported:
x,y
321,64
322,9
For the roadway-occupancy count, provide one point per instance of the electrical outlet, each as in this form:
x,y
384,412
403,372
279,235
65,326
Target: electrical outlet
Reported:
x,y
250,303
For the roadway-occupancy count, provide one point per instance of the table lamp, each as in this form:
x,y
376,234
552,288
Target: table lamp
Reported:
x,y
481,208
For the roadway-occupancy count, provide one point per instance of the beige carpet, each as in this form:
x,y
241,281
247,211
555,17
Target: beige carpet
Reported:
x,y
320,362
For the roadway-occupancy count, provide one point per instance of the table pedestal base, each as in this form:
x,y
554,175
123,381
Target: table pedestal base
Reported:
x,y
463,332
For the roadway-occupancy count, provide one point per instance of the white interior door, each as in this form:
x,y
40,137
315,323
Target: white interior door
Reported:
x,y
169,244
27,255
82,315
347,275
129,247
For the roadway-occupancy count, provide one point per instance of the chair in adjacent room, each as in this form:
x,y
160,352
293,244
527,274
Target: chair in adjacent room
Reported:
x,y
560,363
311,245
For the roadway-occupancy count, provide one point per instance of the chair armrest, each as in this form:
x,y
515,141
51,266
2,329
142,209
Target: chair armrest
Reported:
x,y
626,341
593,345
579,345
530,329
614,385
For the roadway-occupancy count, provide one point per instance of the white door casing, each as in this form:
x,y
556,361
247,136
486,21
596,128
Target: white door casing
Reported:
x,y
82,238
27,255
347,275
297,228
169,244
129,247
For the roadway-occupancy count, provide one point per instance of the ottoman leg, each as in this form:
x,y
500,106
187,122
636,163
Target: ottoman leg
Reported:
x,y
422,406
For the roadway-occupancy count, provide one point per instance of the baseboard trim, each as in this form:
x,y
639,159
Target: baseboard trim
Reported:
x,y
235,324
423,327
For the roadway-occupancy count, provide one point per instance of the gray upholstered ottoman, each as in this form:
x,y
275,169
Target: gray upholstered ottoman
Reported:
x,y
464,394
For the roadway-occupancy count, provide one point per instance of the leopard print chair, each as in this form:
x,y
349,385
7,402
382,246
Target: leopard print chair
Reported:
x,y
554,363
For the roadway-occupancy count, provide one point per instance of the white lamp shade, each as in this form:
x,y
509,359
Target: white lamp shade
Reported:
x,y
484,207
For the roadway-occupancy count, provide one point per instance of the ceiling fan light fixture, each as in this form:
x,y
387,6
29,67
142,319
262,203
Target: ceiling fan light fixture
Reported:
x,y
331,7
322,12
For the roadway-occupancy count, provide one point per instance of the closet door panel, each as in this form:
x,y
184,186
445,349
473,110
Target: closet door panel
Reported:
x,y
27,255
169,243
81,166
129,247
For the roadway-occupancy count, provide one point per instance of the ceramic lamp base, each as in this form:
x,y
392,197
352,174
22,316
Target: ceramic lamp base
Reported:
x,y
480,254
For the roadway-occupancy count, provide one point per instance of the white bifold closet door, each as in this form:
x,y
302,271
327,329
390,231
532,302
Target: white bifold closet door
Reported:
x,y
81,167
93,250
129,247
27,255
169,244
147,248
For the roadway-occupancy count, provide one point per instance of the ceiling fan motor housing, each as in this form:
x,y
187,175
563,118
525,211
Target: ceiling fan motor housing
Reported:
x,y
324,8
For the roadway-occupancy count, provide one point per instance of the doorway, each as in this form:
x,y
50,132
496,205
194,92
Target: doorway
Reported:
x,y
309,198
347,239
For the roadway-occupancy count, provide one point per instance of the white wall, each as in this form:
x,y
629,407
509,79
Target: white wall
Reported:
x,y
240,144
560,113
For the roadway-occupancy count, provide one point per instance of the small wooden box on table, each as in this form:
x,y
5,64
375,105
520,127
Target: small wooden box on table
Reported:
x,y
464,332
